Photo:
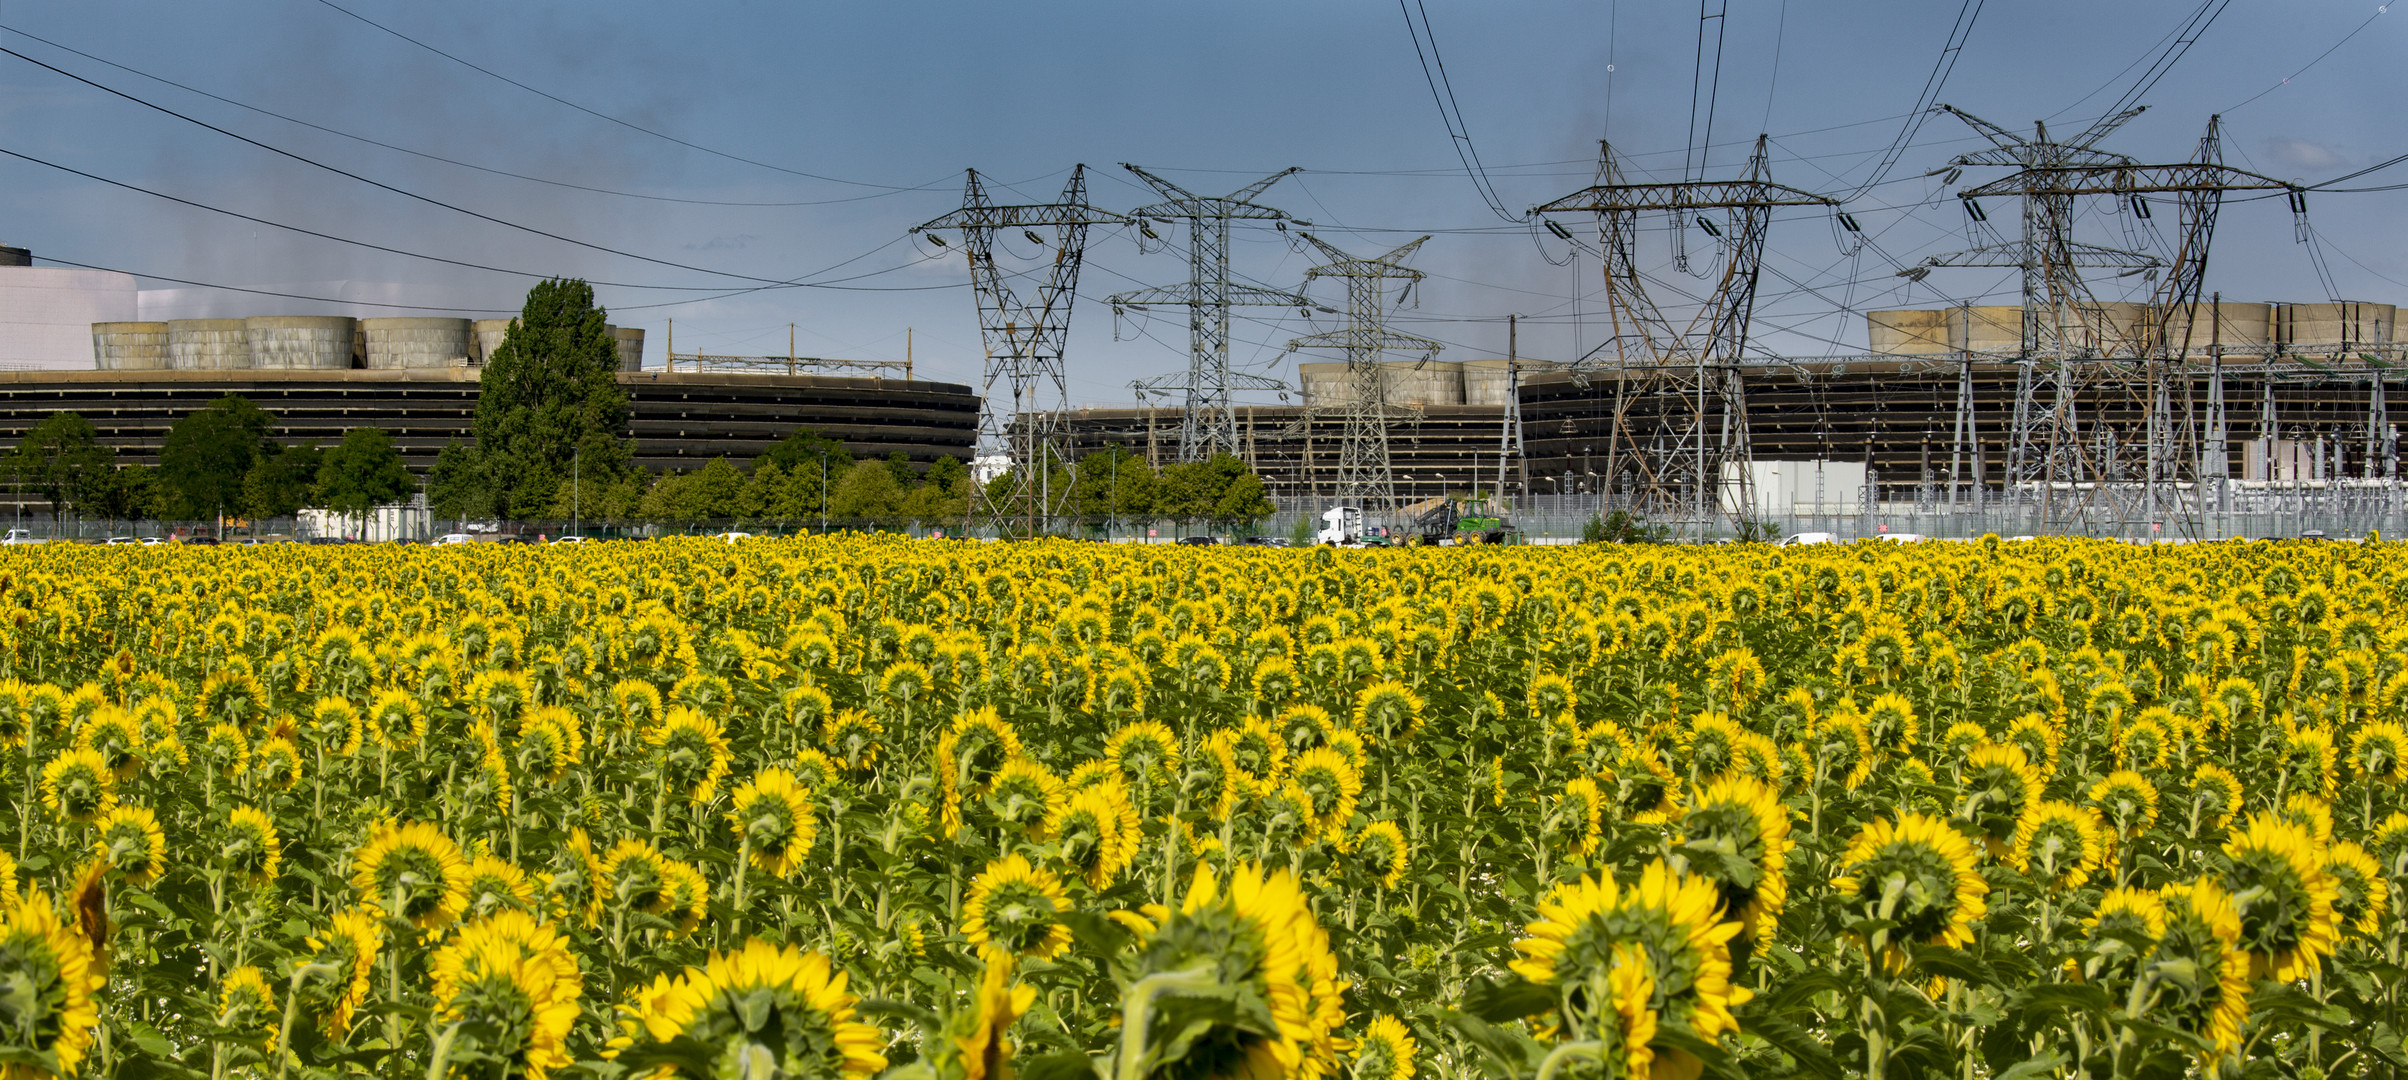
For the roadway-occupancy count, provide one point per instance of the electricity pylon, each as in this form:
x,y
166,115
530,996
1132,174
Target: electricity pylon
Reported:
x,y
1024,342
2068,344
1365,478
1208,423
2060,319
1699,364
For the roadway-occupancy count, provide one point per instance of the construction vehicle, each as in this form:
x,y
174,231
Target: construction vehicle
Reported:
x,y
1444,520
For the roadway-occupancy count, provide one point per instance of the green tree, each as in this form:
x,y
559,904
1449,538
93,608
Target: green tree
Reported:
x,y
867,491
281,482
1114,483
362,473
456,487
63,461
712,493
549,403
1242,499
208,454
804,447
126,493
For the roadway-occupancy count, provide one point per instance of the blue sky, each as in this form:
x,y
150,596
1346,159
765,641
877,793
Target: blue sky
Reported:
x,y
886,103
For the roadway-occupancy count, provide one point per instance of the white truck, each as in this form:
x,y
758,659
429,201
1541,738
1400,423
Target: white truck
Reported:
x,y
1340,525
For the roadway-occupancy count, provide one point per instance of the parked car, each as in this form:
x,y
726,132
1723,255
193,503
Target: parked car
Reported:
x,y
571,539
1800,539
19,536
1198,541
455,538
121,540
1264,541
201,540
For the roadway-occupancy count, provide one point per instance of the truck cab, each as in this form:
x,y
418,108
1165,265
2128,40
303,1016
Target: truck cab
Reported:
x,y
1340,525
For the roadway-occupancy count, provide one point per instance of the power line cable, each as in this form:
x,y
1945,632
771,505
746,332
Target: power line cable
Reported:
x,y
338,132
2286,80
1958,33
1442,91
1692,165
429,200
630,125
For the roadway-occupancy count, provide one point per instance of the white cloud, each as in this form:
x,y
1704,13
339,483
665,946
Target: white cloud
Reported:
x,y
2302,154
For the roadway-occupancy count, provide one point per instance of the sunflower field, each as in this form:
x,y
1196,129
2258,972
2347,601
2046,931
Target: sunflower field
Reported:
x,y
848,808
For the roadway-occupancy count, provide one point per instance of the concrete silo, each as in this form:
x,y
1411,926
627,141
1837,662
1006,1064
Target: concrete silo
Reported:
x,y
208,345
300,342
416,343
1908,332
630,342
2233,325
1324,385
2303,327
1487,382
1415,382
485,336
129,346
1985,329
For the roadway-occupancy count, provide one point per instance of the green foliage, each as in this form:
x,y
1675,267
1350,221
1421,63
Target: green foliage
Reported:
x,y
714,492
805,447
1621,527
281,483
548,406
62,460
208,454
362,473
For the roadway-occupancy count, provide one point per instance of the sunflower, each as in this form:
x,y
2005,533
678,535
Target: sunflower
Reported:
x,y
1644,791
244,1000
2379,751
2307,758
1381,851
2058,845
1843,750
1255,940
78,785
1212,777
1096,832
1918,873
1023,793
2124,926
815,771
773,820
2198,969
344,957
1669,924
2360,896
984,1051
2285,898
851,739
2038,738
763,1009
1577,819
1710,745
334,727
2000,786
116,736
511,985
1145,752
397,718
1333,785
2216,793
1390,708
1736,833
252,850
1384,1051
496,884
2127,800
225,751
1016,909
412,872
550,740
689,896
132,843
1891,724
691,753
2390,844
278,763
53,981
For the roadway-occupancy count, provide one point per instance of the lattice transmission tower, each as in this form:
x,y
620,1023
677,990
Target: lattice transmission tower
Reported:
x,y
1701,468
1208,423
1020,416
2070,346
1365,477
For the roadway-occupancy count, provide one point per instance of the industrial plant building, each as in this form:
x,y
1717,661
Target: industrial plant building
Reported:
x,y
416,378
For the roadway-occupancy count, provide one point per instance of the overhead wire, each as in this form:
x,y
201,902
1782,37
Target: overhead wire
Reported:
x,y
1694,163
628,124
1959,32
380,185
2286,80
339,133
1442,90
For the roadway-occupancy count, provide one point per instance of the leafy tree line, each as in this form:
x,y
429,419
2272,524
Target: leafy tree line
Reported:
x,y
215,460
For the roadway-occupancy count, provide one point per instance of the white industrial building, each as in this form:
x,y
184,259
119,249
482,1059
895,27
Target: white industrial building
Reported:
x,y
47,312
